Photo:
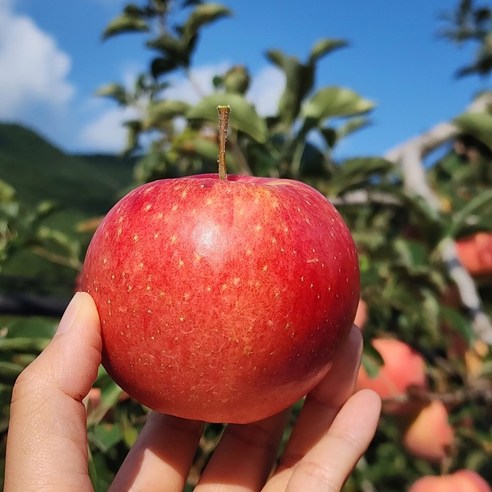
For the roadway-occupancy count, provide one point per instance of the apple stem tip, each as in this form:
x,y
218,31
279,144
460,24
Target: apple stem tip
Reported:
x,y
224,112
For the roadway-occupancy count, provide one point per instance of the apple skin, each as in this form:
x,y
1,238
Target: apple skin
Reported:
x,y
222,300
403,368
460,481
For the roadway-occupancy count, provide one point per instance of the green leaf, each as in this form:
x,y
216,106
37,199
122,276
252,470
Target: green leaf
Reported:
x,y
110,392
429,312
428,218
472,208
31,327
243,114
130,432
125,23
9,371
332,102
114,91
163,111
411,254
299,80
133,129
351,126
162,65
105,436
477,124
371,360
281,60
7,192
325,46
457,322
358,172
202,15
21,344
169,45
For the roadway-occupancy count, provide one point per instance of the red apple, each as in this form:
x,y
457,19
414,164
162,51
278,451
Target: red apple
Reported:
x,y
403,368
429,435
460,481
222,300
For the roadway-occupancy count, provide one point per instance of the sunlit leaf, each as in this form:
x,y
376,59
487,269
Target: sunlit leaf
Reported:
x,y
477,124
22,344
113,91
105,435
202,15
125,23
163,111
332,102
324,47
299,80
243,114
351,126
7,192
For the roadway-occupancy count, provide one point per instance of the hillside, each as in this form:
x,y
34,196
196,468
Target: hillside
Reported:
x,y
41,171
82,186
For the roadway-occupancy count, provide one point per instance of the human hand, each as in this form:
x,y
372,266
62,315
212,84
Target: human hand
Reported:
x,y
47,439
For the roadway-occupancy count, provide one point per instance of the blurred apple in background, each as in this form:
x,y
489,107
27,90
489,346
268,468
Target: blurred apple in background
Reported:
x,y
460,481
403,369
430,435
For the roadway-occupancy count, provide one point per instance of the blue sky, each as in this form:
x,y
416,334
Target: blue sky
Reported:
x,y
52,59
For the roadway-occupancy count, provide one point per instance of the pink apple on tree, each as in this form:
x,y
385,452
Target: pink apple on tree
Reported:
x,y
403,369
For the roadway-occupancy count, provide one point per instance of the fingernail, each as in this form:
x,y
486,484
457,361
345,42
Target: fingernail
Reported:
x,y
69,315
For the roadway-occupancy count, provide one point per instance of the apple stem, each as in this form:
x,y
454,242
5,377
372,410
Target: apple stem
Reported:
x,y
224,112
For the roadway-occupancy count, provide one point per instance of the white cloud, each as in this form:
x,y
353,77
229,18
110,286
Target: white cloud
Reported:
x,y
199,84
33,69
106,133
265,90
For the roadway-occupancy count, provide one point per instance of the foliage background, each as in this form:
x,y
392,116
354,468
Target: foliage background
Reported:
x,y
401,228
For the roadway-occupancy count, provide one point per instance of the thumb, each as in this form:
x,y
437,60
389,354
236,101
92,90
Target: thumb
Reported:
x,y
47,439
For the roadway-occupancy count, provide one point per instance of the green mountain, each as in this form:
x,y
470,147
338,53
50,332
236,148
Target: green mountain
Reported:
x,y
40,171
81,186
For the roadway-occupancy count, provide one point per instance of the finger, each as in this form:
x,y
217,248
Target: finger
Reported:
x,y
327,465
161,457
245,455
47,439
320,408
